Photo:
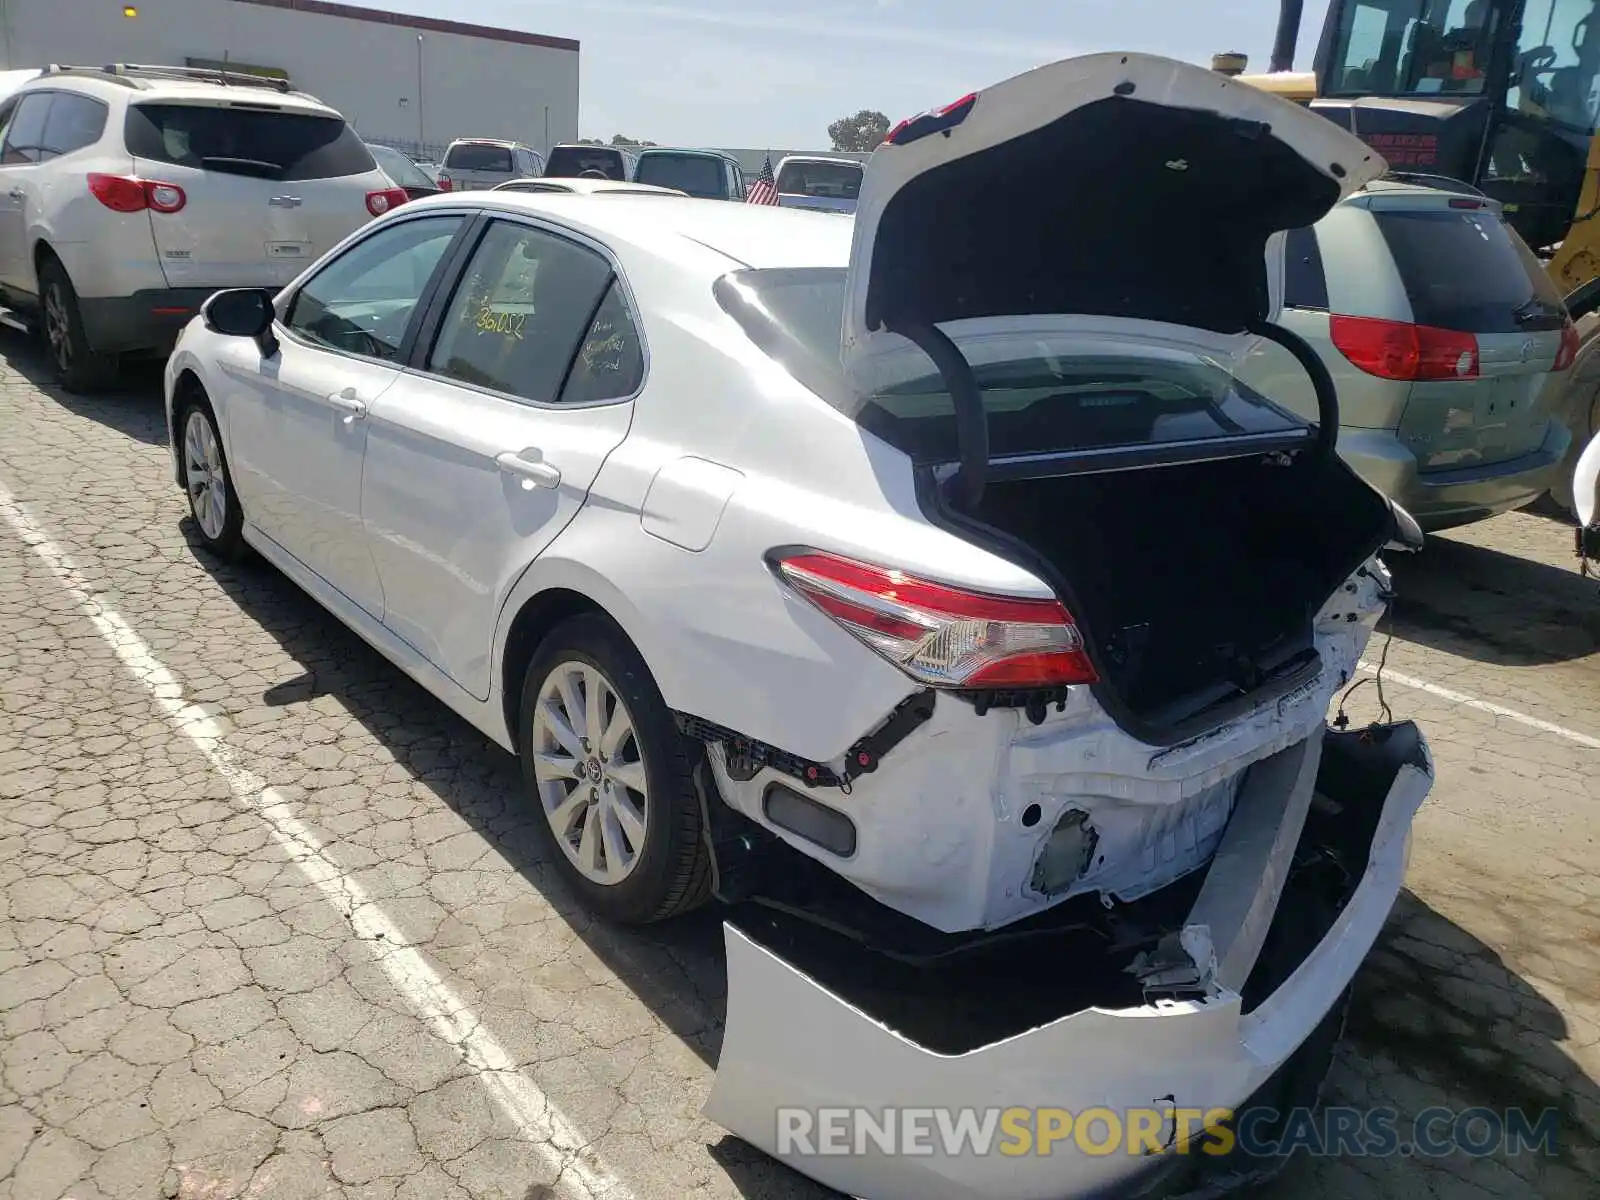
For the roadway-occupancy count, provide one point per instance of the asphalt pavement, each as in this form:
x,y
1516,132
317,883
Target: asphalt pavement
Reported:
x,y
273,923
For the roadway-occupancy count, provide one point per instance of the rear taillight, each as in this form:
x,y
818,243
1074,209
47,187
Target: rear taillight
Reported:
x,y
126,194
943,636
1396,350
1568,354
445,183
380,202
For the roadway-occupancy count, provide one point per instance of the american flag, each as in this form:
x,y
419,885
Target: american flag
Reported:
x,y
765,189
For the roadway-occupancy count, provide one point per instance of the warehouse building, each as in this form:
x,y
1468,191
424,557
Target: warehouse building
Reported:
x,y
412,82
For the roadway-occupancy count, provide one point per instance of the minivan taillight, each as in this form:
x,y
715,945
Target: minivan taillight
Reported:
x,y
446,183
1397,350
380,202
126,194
1570,342
943,636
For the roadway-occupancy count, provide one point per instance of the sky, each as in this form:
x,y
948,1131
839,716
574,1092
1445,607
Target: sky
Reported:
x,y
770,73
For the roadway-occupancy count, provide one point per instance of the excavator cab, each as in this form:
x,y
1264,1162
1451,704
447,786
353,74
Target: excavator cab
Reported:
x,y
1502,94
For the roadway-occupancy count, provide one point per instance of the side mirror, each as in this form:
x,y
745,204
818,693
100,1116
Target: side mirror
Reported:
x,y
1407,533
242,312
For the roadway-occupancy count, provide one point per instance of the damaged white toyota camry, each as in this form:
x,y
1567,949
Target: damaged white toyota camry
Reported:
x,y
928,587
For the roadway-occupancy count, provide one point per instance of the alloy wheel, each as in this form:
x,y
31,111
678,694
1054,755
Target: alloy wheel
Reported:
x,y
203,472
590,776
58,327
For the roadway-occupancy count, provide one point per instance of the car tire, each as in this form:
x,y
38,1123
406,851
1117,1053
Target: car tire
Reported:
x,y
77,365
208,483
618,809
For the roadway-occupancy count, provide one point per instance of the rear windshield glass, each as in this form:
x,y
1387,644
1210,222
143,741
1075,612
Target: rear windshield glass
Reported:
x,y
568,162
697,174
235,140
472,156
400,168
833,181
1037,403
1466,269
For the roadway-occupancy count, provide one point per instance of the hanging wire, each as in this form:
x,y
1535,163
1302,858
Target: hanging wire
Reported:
x,y
1386,714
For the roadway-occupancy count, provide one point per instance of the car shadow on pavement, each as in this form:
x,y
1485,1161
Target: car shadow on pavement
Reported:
x,y
134,407
1486,605
1438,1019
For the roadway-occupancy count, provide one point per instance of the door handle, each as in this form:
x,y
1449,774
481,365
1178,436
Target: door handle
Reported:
x,y
17,194
539,474
347,402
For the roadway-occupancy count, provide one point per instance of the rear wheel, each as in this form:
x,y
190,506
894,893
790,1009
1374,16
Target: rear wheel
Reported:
x,y
79,367
611,776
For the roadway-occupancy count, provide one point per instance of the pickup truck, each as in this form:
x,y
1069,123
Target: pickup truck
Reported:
x,y
818,182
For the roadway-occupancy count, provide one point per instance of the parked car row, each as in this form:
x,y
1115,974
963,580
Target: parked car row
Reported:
x,y
934,576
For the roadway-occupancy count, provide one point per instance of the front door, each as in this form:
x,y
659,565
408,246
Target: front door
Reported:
x,y
20,153
480,456
298,423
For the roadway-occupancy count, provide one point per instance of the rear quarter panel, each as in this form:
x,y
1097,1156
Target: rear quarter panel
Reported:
x,y
723,639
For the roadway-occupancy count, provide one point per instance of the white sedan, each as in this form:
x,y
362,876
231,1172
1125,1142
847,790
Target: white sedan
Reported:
x,y
927,580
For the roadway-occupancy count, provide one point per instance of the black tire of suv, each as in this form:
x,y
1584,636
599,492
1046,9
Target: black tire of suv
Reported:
x,y
673,875
78,366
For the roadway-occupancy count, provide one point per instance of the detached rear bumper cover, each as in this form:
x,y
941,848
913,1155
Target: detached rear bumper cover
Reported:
x,y
790,1043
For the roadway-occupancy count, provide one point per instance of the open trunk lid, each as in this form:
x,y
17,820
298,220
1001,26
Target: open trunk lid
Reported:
x,y
1112,185
267,187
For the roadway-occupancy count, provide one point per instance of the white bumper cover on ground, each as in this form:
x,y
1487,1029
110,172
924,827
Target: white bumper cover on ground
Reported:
x,y
791,1044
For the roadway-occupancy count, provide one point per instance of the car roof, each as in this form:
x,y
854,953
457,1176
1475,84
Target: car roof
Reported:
x,y
722,154
148,85
577,185
752,235
486,142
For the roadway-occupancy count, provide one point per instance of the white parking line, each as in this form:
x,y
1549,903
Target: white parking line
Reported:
x,y
1466,701
581,1173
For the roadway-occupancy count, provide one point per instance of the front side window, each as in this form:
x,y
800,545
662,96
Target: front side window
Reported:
x,y
231,140
364,301
524,303
1412,47
1036,401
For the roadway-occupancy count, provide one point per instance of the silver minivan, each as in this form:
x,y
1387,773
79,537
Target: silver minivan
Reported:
x,y
1447,342
472,163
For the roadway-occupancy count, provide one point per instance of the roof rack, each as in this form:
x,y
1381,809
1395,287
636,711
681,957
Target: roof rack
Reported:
x,y
136,75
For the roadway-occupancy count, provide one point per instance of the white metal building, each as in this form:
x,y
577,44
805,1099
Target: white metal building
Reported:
x,y
414,82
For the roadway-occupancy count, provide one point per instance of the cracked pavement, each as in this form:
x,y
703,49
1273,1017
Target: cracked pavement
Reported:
x,y
198,997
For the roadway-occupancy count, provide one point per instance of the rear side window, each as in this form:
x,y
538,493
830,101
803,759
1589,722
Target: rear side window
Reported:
x,y
234,140
73,123
568,162
401,169
1036,402
473,156
832,181
698,174
25,135
1466,269
1304,283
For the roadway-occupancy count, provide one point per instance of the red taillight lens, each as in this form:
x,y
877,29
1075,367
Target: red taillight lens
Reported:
x,y
940,635
1568,354
381,202
123,193
1396,350
445,183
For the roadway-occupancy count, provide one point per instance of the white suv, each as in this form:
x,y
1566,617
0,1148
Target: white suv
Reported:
x,y
129,194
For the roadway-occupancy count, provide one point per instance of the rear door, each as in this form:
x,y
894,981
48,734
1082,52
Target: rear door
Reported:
x,y
485,449
1465,269
268,187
